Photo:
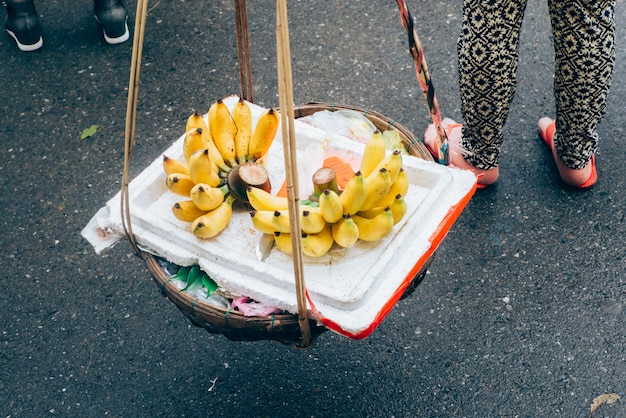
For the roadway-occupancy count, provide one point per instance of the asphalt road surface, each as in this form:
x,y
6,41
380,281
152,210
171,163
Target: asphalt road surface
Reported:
x,y
521,313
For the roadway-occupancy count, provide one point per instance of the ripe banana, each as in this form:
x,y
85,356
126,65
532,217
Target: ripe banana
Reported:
x,y
171,166
180,184
345,232
280,221
214,153
330,206
242,116
223,130
215,221
372,212
283,242
259,199
194,141
375,228
202,169
186,211
263,134
398,208
377,185
262,221
398,187
206,197
311,219
393,164
374,153
353,195
316,245
195,121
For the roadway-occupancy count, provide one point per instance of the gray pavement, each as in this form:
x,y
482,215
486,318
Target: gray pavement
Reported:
x,y
521,313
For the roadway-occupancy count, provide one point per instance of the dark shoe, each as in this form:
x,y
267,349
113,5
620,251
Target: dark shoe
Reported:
x,y
113,18
23,25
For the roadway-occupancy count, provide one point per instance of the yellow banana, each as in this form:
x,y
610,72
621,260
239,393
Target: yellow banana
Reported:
x,y
186,211
374,152
398,208
393,164
171,166
215,221
316,245
206,197
311,219
242,116
202,169
375,228
353,195
214,153
261,200
280,221
196,121
372,212
194,141
283,242
262,221
398,187
223,130
180,184
263,134
330,206
377,185
345,232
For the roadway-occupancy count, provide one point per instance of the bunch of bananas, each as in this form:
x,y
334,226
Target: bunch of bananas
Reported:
x,y
212,151
367,208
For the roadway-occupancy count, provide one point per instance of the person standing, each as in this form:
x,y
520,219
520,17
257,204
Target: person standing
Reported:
x,y
584,36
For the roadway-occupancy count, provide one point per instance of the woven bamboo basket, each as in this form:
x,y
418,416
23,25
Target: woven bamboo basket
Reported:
x,y
298,330
283,327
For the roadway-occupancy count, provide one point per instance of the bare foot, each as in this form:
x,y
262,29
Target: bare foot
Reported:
x,y
455,154
570,176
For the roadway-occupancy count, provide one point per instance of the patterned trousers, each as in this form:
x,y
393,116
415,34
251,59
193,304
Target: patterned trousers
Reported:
x,y
584,33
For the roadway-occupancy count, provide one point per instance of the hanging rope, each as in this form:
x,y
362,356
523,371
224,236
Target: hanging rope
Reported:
x,y
423,76
131,113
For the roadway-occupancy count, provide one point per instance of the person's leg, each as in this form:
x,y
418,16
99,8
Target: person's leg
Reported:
x,y
113,17
584,34
22,24
488,56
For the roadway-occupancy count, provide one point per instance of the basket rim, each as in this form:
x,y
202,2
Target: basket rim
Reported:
x,y
414,145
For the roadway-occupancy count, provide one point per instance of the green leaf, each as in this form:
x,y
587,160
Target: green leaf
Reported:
x,y
182,273
194,278
89,132
209,284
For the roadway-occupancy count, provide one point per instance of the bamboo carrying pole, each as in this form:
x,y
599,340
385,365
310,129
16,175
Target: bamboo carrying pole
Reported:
x,y
243,50
285,94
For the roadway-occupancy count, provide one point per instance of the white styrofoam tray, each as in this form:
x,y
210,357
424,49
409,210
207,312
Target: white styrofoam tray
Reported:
x,y
350,290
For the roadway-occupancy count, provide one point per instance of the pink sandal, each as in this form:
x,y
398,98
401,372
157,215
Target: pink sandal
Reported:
x,y
547,135
449,127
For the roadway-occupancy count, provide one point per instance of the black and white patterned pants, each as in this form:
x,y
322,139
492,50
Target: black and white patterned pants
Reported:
x,y
584,33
